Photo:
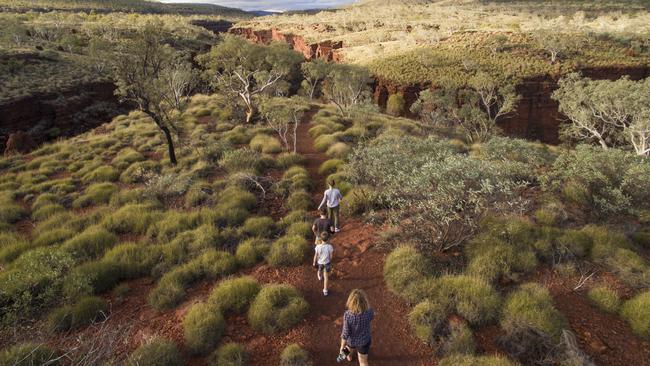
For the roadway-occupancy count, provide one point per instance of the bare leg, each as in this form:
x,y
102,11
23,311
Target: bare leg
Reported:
x,y
325,279
363,360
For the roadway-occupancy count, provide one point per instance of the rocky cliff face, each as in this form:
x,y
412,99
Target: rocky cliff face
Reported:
x,y
43,117
325,50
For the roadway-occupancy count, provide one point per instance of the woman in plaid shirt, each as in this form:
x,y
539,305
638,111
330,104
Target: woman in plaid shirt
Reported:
x,y
356,326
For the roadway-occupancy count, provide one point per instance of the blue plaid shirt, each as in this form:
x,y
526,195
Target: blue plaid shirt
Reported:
x,y
356,328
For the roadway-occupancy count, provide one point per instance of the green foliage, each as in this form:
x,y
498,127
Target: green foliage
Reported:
x,y
86,311
551,214
102,174
230,354
323,142
241,160
10,212
302,229
300,200
92,243
294,355
637,313
524,159
330,167
473,299
173,223
459,342
428,319
531,306
44,212
96,194
347,86
28,354
265,144
234,294
137,172
202,328
251,251
458,360
126,157
157,352
93,278
131,219
277,308
395,105
286,160
134,260
288,251
405,268
605,299
262,227
13,246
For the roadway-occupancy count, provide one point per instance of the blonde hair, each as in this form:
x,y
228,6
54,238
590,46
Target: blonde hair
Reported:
x,y
357,301
319,241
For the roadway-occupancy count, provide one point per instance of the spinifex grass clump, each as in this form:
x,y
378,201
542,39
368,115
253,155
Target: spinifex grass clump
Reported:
x,y
288,251
203,326
276,308
156,352
637,313
234,295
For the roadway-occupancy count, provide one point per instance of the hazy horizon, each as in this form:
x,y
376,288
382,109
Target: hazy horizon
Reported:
x,y
269,5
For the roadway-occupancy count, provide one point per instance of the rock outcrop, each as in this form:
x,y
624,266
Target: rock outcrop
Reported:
x,y
325,50
47,116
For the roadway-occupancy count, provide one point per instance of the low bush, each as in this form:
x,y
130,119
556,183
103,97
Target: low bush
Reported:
x,y
92,243
636,312
139,171
131,219
288,251
234,294
85,312
302,229
92,278
11,212
96,194
252,251
286,160
330,167
429,319
238,136
134,260
157,352
300,200
642,238
203,326
460,341
216,264
127,157
604,298
531,306
404,269
339,150
472,298
276,308
360,200
294,355
395,105
44,212
45,199
173,223
104,173
229,354
262,227
241,160
323,142
551,214
265,144
458,360
28,354
12,247
236,198
293,217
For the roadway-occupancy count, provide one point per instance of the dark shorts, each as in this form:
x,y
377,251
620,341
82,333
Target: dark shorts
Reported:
x,y
325,267
365,349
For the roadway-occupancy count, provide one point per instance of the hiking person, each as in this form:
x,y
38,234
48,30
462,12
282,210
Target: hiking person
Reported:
x,y
322,225
356,327
323,260
332,198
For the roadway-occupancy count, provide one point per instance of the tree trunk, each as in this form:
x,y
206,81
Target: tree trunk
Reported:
x,y
170,145
250,113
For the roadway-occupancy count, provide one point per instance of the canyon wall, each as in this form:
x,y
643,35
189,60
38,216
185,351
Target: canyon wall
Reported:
x,y
325,50
30,121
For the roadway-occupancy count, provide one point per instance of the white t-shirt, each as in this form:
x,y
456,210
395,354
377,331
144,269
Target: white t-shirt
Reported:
x,y
332,197
324,253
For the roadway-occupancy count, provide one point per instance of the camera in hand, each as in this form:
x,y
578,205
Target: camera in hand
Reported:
x,y
343,355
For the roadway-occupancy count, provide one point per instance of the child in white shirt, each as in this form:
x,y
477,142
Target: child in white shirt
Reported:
x,y
323,260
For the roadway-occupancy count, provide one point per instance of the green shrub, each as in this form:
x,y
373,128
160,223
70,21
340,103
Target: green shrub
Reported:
x,y
293,217
320,130
577,193
330,166
92,243
286,160
642,239
276,308
339,150
28,354
294,355
473,298
604,298
238,136
395,105
11,212
302,229
173,223
85,312
92,278
127,157
459,342
234,294
229,354
404,269
265,144
300,200
262,227
323,142
551,214
241,160
216,264
203,326
96,194
44,212
51,237
428,319
134,260
101,174
158,352
252,251
458,360
45,199
131,219
531,306
360,200
235,197
288,251
637,313
138,171
12,247
197,195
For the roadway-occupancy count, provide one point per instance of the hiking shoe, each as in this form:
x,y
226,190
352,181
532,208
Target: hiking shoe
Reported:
x,y
337,230
320,278
325,293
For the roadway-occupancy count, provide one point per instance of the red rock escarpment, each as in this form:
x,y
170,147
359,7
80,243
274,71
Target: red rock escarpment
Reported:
x,y
537,116
325,50
47,116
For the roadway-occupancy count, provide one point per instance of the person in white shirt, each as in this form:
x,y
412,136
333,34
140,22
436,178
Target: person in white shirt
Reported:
x,y
332,199
323,260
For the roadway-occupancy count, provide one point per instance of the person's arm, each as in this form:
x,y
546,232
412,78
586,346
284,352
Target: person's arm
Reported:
x,y
323,201
344,333
344,343
315,257
313,229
